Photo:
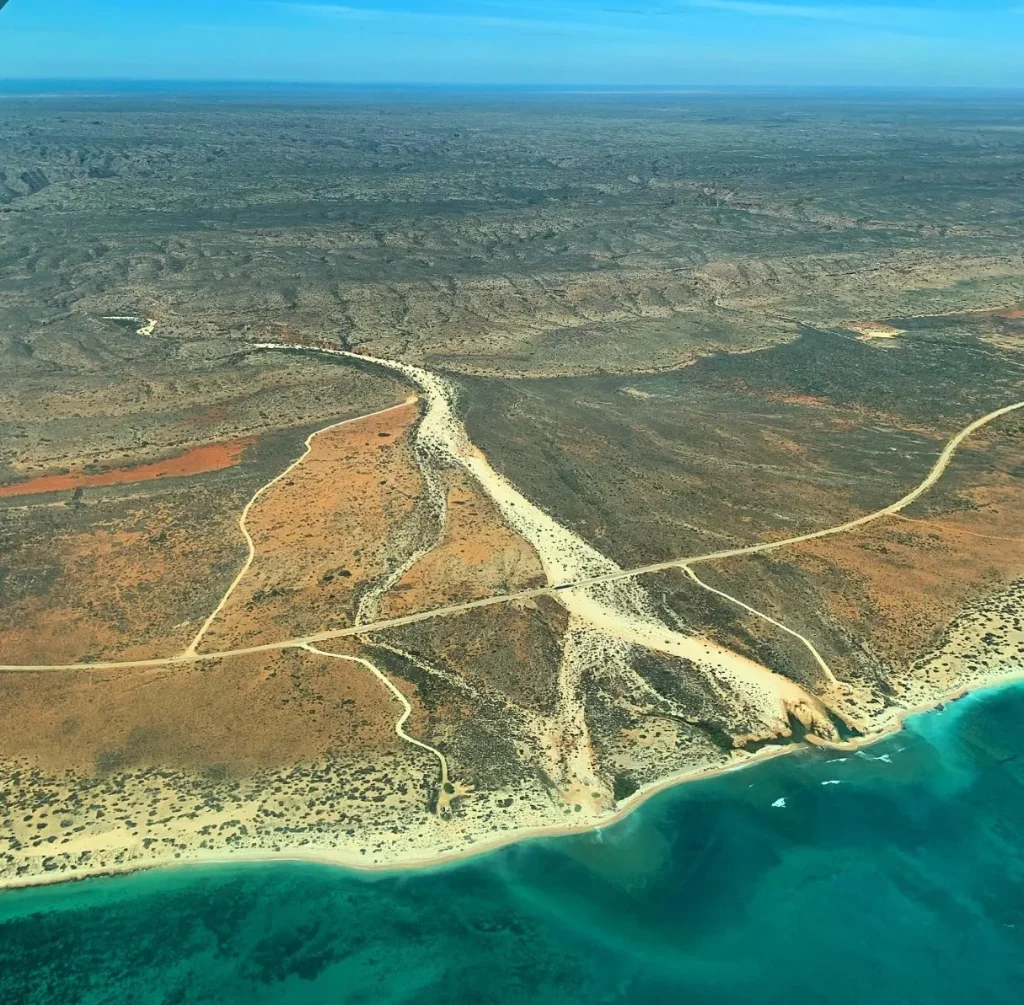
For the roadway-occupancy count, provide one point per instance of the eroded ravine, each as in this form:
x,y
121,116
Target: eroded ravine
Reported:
x,y
613,609
436,505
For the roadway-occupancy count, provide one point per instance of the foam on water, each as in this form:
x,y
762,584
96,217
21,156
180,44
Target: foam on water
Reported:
x,y
759,886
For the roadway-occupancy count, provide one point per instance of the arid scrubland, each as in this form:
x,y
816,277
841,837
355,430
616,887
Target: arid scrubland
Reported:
x,y
569,338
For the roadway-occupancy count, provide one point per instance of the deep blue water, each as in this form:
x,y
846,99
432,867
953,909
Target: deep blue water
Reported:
x,y
904,883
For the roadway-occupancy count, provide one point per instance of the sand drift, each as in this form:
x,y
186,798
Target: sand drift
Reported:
x,y
605,615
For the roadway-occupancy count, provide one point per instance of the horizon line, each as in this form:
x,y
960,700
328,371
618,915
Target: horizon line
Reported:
x,y
543,86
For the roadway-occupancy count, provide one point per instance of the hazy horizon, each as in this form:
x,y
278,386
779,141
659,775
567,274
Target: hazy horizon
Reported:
x,y
684,43
42,87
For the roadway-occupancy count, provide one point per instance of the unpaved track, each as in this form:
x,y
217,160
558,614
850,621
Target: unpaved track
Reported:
x,y
407,708
191,656
818,658
611,608
295,643
257,496
753,549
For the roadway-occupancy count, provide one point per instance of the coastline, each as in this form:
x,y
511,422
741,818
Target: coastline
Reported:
x,y
991,682
571,561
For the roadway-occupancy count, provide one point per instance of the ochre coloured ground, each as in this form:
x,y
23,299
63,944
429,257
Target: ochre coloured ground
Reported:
x,y
126,582
213,457
337,520
235,716
478,556
898,583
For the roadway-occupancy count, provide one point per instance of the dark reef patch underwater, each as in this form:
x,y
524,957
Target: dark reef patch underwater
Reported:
x,y
893,875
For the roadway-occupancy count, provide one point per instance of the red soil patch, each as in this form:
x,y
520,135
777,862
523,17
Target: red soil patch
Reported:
x,y
131,588
901,581
478,557
199,460
333,524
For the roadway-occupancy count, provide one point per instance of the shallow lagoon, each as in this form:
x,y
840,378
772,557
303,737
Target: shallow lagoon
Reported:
x,y
893,875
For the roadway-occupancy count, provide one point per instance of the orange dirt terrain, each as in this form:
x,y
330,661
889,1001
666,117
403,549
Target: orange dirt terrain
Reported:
x,y
235,716
343,516
890,589
119,578
478,556
903,583
214,457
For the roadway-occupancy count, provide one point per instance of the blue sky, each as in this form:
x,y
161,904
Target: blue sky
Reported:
x,y
604,42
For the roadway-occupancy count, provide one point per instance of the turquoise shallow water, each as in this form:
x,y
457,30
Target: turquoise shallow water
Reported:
x,y
895,875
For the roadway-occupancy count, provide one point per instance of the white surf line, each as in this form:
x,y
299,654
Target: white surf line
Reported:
x,y
250,544
406,708
766,617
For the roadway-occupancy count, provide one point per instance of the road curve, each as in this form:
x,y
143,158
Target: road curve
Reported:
x,y
930,479
406,707
308,446
941,463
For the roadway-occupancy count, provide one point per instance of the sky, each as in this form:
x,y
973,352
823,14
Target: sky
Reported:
x,y
614,43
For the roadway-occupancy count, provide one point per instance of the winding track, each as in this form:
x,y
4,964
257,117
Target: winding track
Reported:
x,y
256,497
304,642
406,707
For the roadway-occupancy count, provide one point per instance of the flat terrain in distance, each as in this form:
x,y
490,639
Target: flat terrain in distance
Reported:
x,y
384,477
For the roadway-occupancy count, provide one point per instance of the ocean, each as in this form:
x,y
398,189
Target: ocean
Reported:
x,y
889,876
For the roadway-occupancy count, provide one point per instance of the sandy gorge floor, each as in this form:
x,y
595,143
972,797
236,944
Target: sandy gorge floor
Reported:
x,y
381,479
408,658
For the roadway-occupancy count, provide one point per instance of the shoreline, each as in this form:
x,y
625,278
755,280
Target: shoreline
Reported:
x,y
991,682
579,566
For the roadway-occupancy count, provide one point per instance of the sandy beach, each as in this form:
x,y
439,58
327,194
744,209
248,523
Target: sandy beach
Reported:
x,y
417,861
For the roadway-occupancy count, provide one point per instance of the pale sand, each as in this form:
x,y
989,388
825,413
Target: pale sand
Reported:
x,y
874,329
619,608
608,607
400,863
147,324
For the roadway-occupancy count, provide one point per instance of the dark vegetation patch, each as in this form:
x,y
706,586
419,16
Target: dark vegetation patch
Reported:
x,y
736,448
